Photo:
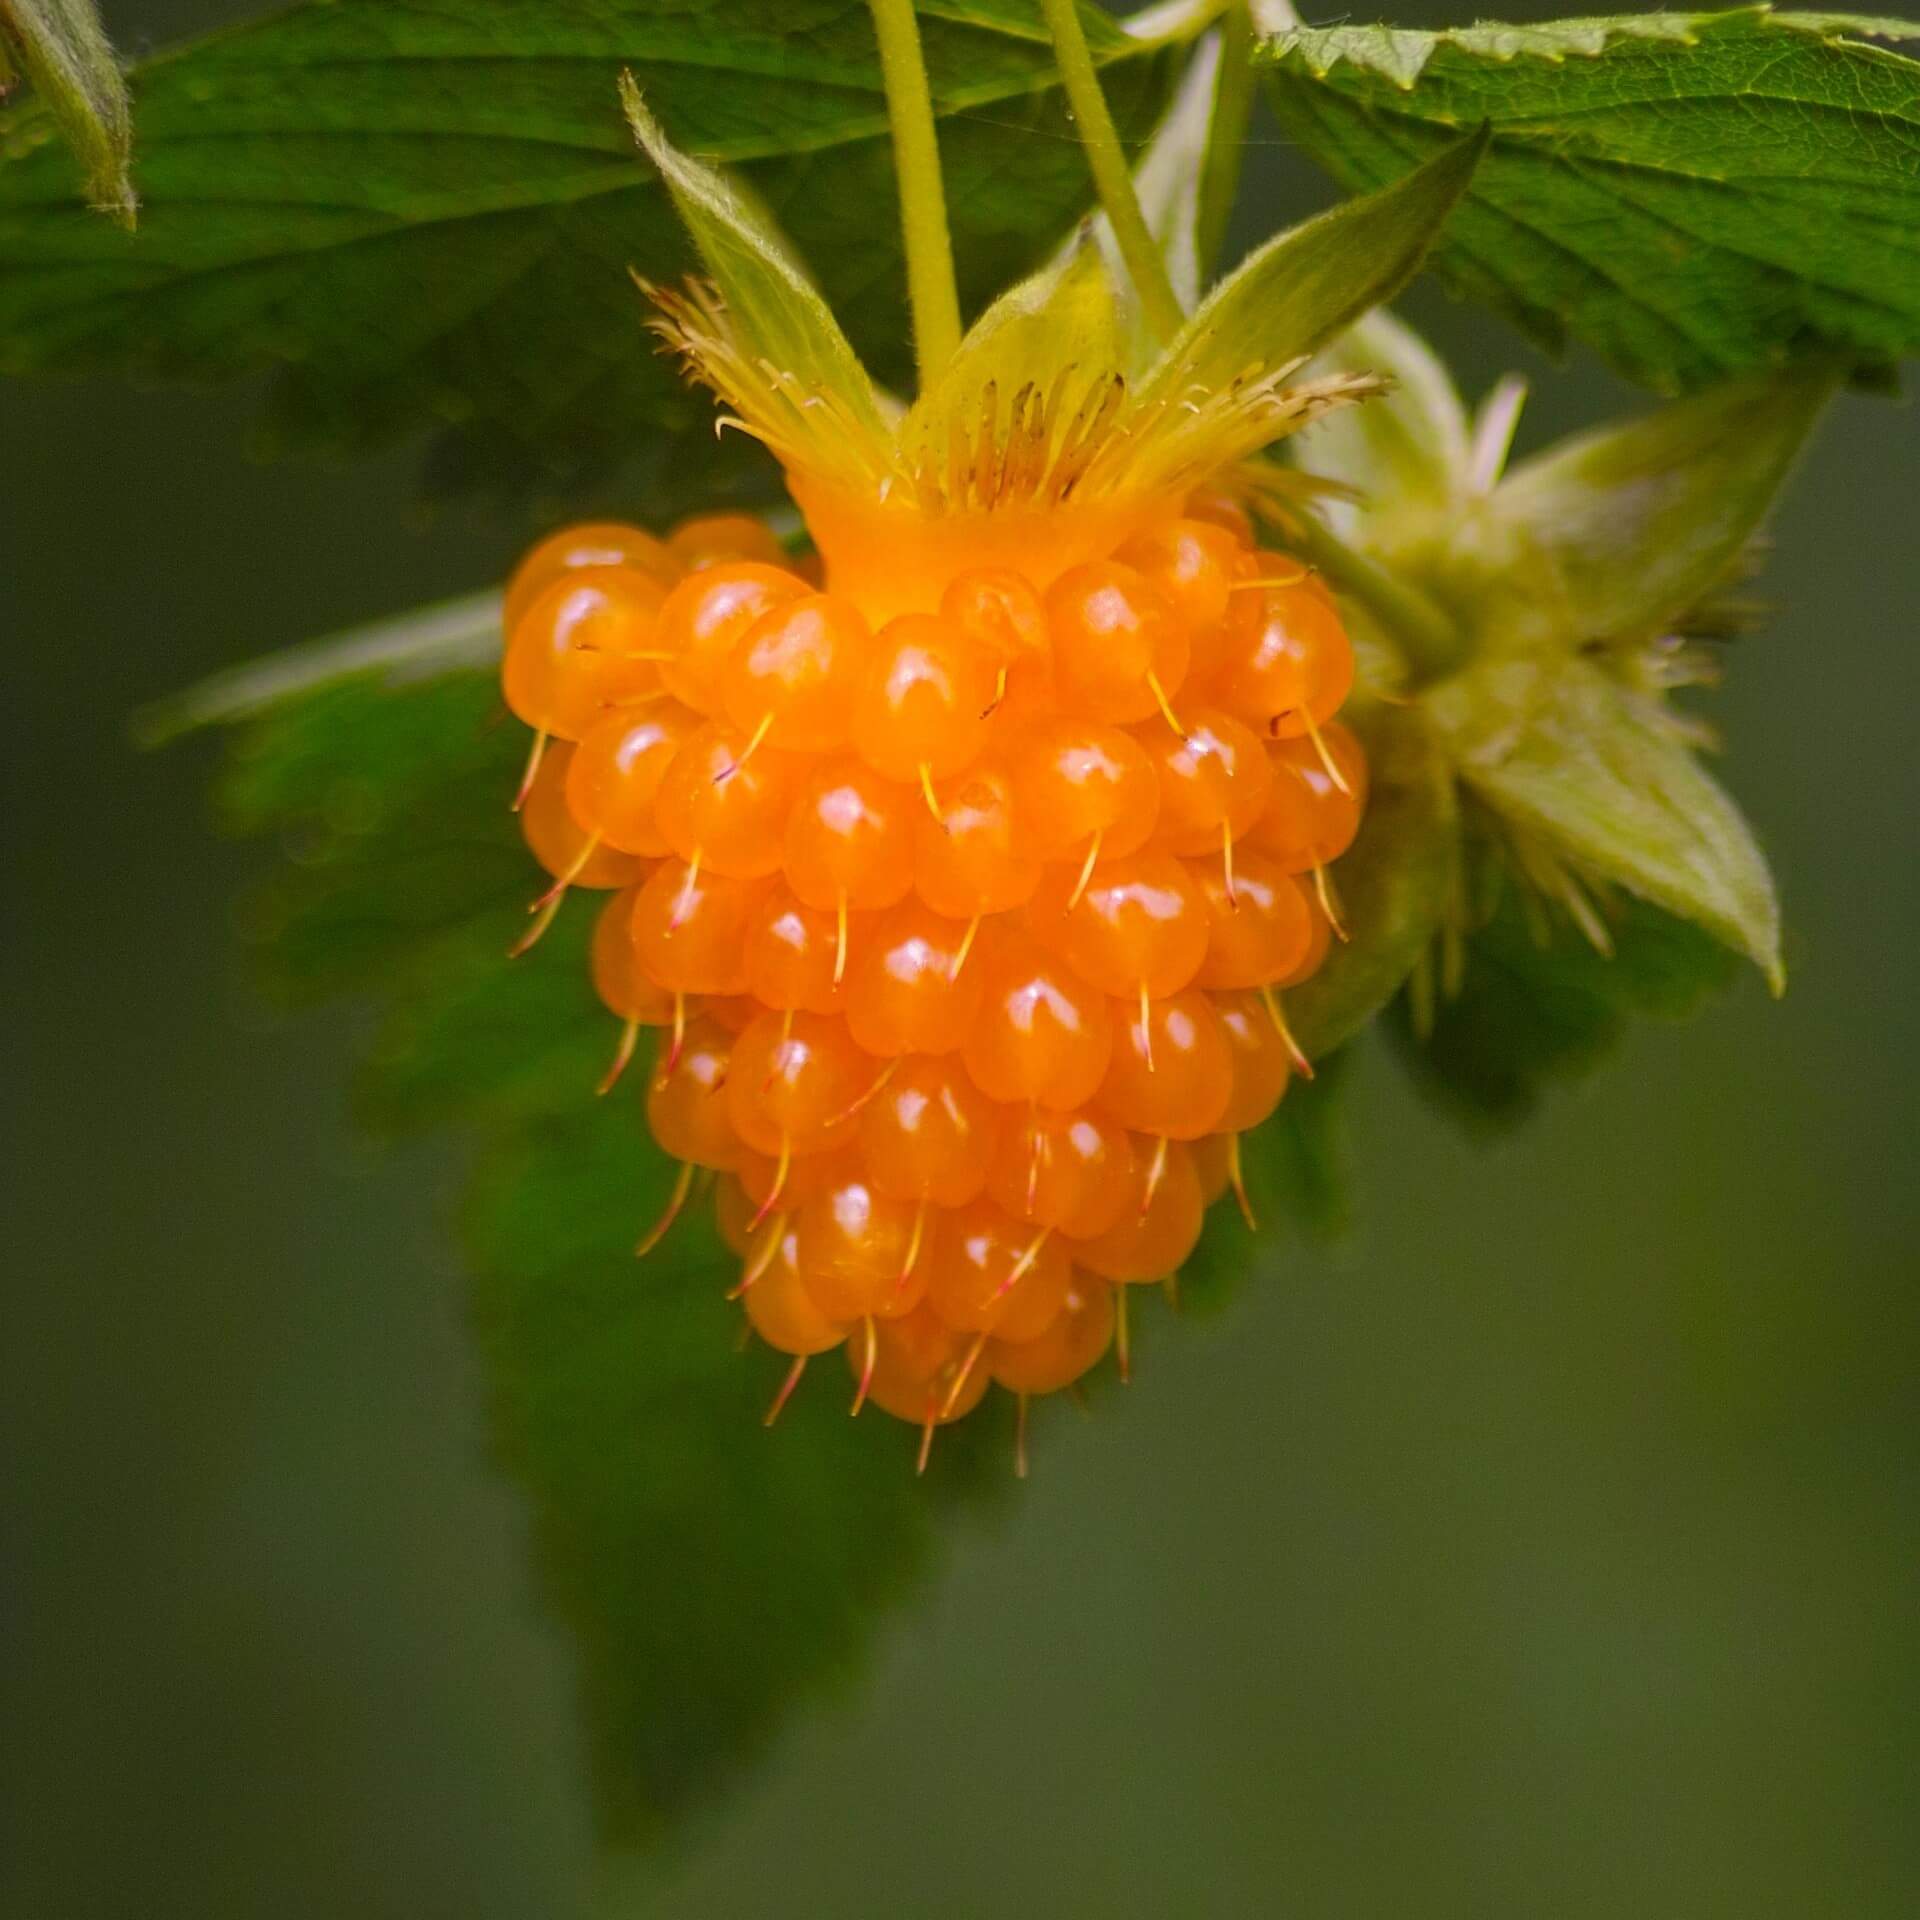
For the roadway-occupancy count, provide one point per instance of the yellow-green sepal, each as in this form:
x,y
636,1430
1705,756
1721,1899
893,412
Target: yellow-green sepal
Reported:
x,y
1061,322
779,316
1642,521
66,55
1407,450
1294,294
1610,784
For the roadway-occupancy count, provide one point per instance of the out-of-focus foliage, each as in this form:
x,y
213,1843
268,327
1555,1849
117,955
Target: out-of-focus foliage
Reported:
x,y
1537,1004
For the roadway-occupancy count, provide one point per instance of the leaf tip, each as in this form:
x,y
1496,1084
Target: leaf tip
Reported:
x,y
645,129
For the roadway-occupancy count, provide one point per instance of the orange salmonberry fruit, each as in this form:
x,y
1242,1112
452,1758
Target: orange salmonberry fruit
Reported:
x,y
961,916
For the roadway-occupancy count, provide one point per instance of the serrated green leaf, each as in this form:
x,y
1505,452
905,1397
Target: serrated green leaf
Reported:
x,y
623,1406
423,212
1644,519
1537,1005
1609,784
1693,195
1396,883
65,53
1289,297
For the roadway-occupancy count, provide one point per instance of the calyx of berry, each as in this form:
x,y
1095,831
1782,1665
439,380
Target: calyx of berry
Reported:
x,y
1580,586
1055,432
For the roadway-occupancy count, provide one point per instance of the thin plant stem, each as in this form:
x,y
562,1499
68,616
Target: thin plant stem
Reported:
x,y
1430,640
1112,178
1226,136
923,198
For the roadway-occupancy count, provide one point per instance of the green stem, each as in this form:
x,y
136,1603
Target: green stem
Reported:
x,y
1112,178
1427,635
923,198
1226,136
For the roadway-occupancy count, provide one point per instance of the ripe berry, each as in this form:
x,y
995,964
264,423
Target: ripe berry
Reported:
x,y
928,1134
924,1371
687,1102
861,1252
1069,1171
615,773
963,924
780,1308
1310,819
794,1084
599,543
1258,930
1042,1035
1191,564
623,987
991,1274
1172,1068
1287,665
998,612
585,641
1084,790
1118,653
706,616
921,713
716,539
910,991
725,806
1261,1064
848,841
558,841
793,952
792,676
1138,926
1214,779
1158,1228
973,858
689,929
1071,1344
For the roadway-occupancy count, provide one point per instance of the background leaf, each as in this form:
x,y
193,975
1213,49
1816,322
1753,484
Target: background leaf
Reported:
x,y
77,80
710,1572
1692,195
1537,1006
423,212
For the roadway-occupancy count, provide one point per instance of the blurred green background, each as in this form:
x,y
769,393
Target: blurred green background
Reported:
x,y
1550,1550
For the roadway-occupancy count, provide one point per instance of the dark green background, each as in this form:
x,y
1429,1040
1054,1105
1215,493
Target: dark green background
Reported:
x,y
1551,1552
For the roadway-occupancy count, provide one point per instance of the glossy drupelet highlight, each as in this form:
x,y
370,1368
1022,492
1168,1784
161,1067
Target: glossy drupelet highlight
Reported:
x,y
964,929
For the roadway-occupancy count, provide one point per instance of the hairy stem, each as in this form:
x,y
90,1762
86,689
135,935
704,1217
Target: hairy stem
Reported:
x,y
1112,178
923,198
